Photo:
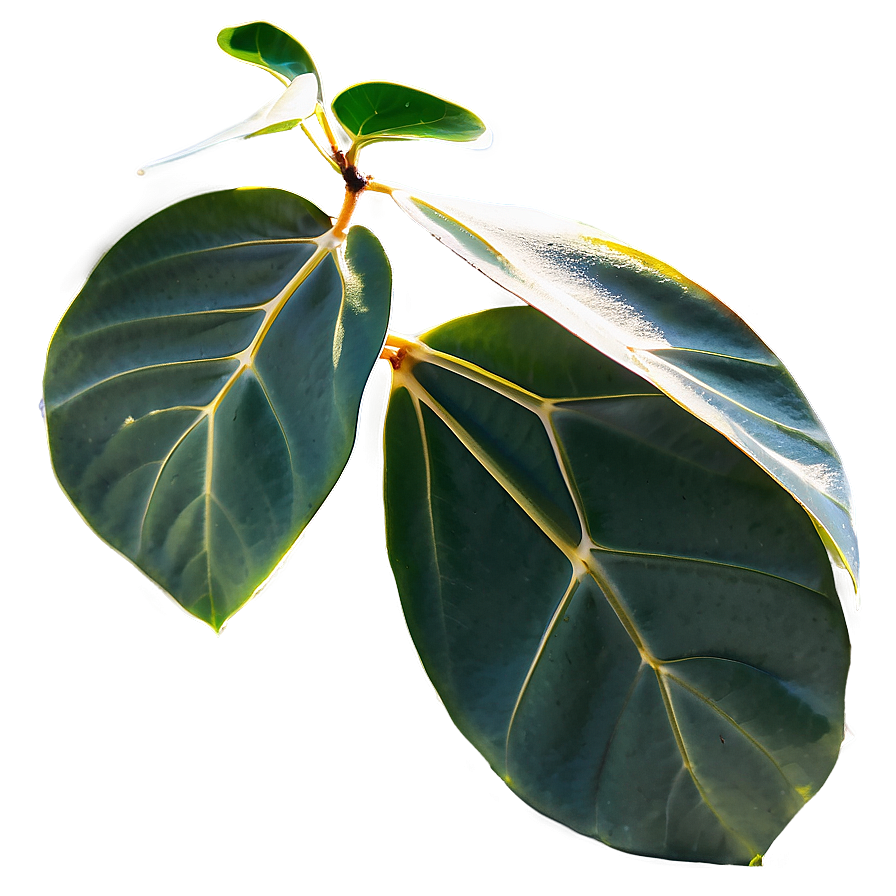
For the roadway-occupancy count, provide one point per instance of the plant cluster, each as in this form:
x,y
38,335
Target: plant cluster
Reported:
x,y
611,513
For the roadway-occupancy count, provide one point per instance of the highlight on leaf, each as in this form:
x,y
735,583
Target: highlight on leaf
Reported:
x,y
297,103
377,110
647,316
271,49
630,620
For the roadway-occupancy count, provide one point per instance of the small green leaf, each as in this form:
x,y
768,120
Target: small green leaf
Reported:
x,y
379,111
634,624
202,391
293,106
266,46
649,317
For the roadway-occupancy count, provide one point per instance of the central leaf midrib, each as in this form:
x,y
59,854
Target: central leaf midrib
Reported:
x,y
209,410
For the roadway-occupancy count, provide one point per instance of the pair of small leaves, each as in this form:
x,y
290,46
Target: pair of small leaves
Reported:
x,y
369,112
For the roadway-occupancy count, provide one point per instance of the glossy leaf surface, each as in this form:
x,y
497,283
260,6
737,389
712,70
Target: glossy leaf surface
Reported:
x,y
266,46
202,391
297,103
655,321
380,111
632,622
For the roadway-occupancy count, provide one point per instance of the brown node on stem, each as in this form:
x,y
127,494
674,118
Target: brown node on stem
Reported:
x,y
354,180
394,355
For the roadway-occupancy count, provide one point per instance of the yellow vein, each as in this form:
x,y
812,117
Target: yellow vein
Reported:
x,y
143,369
694,379
233,526
682,749
199,312
126,272
470,443
260,380
574,583
579,555
680,558
776,364
427,468
716,708
603,759
162,465
246,359
585,543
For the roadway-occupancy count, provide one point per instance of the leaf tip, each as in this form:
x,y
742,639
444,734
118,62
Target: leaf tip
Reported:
x,y
756,860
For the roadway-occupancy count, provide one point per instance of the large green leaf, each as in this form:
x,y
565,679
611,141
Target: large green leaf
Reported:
x,y
266,46
632,622
379,111
293,106
202,391
658,323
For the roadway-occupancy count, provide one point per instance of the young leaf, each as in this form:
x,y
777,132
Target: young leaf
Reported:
x,y
266,46
380,111
647,316
202,391
632,622
297,103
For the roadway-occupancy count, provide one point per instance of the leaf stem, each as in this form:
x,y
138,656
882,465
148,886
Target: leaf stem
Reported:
x,y
321,115
377,187
330,160
340,225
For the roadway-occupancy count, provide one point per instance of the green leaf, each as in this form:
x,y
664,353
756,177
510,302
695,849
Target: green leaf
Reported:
x,y
379,111
647,316
266,46
293,106
202,391
632,622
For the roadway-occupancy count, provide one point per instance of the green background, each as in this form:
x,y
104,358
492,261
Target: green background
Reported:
x,y
143,754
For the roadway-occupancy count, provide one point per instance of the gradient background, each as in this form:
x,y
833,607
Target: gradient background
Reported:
x,y
304,750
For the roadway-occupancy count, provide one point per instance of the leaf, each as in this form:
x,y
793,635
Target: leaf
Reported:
x,y
202,390
633,623
379,111
297,103
266,46
653,320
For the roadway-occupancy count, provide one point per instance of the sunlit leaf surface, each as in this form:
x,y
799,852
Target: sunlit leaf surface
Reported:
x,y
658,323
379,111
266,46
632,622
297,103
202,390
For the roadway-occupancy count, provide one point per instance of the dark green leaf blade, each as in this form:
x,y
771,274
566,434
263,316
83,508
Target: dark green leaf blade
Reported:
x,y
667,673
381,111
649,317
202,391
266,46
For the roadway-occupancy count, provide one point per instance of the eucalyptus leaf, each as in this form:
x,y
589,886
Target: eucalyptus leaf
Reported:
x,y
297,103
647,316
202,390
381,111
266,46
632,622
